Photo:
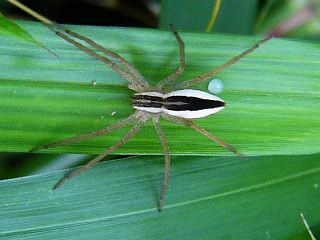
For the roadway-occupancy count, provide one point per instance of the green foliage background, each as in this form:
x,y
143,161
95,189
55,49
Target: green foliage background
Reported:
x,y
272,117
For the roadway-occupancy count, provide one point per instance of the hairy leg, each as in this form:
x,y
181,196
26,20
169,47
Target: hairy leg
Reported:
x,y
99,132
135,79
133,131
205,133
161,85
126,75
127,66
165,148
203,77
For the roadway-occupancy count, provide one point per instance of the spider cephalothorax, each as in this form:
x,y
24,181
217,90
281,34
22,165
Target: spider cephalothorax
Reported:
x,y
152,102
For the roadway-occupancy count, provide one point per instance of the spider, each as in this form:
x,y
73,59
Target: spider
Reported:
x,y
151,102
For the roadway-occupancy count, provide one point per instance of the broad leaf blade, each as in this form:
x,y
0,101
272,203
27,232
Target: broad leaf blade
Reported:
x,y
272,95
208,198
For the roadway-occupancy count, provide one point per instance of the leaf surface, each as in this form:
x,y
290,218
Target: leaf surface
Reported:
x,y
272,95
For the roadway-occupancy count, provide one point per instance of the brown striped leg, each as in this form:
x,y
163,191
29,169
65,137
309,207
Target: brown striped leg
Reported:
x,y
127,66
203,77
181,66
205,133
165,148
126,75
133,131
102,131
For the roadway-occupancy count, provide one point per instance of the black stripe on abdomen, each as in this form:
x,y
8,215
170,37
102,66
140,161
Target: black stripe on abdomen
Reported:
x,y
182,103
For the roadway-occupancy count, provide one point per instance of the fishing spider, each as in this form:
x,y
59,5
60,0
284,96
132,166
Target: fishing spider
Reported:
x,y
151,102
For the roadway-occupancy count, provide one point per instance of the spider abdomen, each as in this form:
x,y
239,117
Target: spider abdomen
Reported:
x,y
187,103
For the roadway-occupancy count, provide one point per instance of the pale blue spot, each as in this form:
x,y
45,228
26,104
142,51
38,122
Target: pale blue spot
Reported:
x,y
215,86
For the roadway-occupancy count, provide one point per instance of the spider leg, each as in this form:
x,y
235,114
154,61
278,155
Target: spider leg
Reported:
x,y
102,131
165,148
133,131
126,75
162,84
205,133
128,66
203,77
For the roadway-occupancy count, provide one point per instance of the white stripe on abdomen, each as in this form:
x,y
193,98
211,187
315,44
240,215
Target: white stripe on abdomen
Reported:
x,y
193,114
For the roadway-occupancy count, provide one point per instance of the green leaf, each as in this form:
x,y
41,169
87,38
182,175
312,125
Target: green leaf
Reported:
x,y
273,109
284,18
208,198
272,95
235,16
12,29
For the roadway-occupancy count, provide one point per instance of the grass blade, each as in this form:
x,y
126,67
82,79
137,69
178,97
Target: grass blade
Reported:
x,y
272,95
211,199
10,28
